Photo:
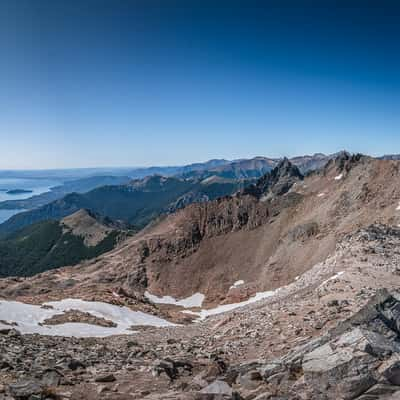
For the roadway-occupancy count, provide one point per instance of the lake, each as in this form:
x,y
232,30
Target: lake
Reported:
x,y
37,186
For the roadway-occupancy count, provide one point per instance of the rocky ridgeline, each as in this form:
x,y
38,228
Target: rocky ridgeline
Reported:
x,y
229,214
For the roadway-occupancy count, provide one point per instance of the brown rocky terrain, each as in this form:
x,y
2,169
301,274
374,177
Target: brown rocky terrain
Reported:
x,y
328,242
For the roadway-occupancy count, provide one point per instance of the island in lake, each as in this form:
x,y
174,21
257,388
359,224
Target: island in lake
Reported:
x,y
18,191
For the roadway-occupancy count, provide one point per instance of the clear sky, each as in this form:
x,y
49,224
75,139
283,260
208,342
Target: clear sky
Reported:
x,y
88,83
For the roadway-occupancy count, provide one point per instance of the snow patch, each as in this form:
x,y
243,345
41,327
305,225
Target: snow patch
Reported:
x,y
339,177
236,284
196,300
332,278
398,207
321,194
28,317
203,314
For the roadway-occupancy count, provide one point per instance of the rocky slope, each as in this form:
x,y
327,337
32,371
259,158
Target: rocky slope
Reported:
x,y
331,334
324,245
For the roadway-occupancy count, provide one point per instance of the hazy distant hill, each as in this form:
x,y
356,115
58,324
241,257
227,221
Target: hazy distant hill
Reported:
x,y
51,244
245,166
133,172
79,186
393,157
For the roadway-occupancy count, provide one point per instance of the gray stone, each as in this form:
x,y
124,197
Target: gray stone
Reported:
x,y
51,377
382,389
271,368
105,378
390,369
218,387
24,389
250,380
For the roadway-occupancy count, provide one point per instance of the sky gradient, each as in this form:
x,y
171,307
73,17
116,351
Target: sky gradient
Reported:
x,y
126,83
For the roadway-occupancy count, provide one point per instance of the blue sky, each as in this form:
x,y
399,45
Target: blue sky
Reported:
x,y
121,83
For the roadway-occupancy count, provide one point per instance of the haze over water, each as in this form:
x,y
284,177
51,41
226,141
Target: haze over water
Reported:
x,y
37,186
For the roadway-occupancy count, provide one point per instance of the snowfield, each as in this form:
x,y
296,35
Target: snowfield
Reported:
x,y
332,278
203,314
196,300
29,317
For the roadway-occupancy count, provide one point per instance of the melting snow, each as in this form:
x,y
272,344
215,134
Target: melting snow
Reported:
x,y
339,177
321,194
196,300
236,284
332,277
398,207
229,307
28,317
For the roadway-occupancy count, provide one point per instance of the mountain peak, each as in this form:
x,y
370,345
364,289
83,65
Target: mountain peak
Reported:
x,y
343,162
286,168
278,181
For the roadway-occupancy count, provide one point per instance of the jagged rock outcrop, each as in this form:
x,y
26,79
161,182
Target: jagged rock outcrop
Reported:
x,y
344,162
277,182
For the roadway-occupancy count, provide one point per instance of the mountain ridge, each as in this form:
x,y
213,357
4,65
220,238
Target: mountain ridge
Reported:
x,y
52,244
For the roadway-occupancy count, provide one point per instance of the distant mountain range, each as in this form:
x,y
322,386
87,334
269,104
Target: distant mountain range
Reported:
x,y
304,163
256,163
136,203
237,170
140,201
258,166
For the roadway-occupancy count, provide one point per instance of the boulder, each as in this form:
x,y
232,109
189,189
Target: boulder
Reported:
x,y
390,369
52,377
218,390
251,380
24,389
218,387
344,368
105,378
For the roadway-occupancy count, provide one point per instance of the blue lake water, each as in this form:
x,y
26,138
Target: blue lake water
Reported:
x,y
37,186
